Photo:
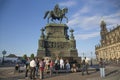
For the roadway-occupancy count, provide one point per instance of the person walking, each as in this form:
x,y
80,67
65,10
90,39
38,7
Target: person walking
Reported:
x,y
102,68
47,64
51,67
17,68
42,65
37,66
84,66
32,68
57,64
27,65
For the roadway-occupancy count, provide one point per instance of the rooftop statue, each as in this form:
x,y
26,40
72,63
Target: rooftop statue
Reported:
x,y
56,13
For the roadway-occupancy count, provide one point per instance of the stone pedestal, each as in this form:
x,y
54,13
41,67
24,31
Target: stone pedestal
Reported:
x,y
55,41
41,53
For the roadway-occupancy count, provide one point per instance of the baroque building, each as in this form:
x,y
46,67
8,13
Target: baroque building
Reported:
x,y
109,47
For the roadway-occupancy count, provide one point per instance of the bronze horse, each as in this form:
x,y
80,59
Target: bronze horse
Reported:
x,y
54,17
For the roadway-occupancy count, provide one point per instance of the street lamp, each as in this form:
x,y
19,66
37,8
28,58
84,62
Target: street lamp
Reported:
x,y
91,59
3,52
83,54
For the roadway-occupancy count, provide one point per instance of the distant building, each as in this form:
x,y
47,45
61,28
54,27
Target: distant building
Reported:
x,y
10,58
109,47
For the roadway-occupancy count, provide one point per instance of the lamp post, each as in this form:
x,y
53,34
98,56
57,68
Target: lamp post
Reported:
x,y
91,59
83,54
3,52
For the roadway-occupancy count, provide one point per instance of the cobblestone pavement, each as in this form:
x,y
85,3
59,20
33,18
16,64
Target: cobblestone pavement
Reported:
x,y
112,73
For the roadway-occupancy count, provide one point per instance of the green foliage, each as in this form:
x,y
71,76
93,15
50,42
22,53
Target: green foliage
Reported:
x,y
24,56
32,56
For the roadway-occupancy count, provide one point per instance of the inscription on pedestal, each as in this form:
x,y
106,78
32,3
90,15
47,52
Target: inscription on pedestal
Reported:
x,y
63,45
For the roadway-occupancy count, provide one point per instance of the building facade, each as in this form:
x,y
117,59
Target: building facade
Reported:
x,y
109,47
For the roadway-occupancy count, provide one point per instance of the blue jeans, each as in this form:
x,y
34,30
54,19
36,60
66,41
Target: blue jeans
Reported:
x,y
36,71
84,68
102,72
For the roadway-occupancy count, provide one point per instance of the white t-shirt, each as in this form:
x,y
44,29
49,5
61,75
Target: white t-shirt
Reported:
x,y
32,63
47,62
61,61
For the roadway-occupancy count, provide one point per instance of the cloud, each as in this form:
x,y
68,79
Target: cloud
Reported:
x,y
85,9
89,16
68,3
112,19
88,19
86,36
84,22
80,20
90,22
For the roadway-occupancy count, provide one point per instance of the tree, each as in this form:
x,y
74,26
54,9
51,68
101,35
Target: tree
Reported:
x,y
12,55
4,53
32,56
25,56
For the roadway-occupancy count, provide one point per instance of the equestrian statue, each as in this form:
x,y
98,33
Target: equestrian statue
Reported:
x,y
56,14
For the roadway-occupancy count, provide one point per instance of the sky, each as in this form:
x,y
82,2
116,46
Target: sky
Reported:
x,y
21,21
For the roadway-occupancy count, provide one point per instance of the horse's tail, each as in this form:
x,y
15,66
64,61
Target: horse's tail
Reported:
x,y
46,14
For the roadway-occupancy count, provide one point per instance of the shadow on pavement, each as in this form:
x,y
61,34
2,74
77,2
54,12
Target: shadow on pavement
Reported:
x,y
111,72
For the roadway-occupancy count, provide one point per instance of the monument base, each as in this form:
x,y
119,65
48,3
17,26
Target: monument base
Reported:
x,y
56,42
74,53
41,53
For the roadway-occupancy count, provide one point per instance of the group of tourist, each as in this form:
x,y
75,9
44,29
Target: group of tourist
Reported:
x,y
60,64
44,65
40,66
36,65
